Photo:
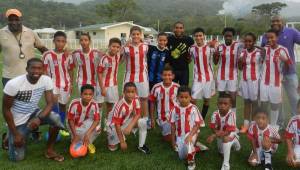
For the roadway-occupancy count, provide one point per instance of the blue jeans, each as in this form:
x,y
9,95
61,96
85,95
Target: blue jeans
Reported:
x,y
291,85
18,153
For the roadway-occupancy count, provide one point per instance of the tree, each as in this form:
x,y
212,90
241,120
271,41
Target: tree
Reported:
x,y
117,10
268,9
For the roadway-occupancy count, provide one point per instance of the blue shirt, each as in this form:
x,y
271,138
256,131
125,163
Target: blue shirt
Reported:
x,y
156,62
287,38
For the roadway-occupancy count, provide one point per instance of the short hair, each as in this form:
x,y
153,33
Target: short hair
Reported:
x,y
261,110
162,34
226,96
199,29
178,22
87,87
168,68
86,34
129,84
60,34
229,29
272,31
135,28
251,34
183,89
114,40
32,60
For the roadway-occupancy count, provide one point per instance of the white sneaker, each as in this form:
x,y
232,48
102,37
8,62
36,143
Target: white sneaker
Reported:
x,y
202,146
225,167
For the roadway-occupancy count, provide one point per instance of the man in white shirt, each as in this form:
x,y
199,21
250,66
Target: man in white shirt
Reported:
x,y
21,111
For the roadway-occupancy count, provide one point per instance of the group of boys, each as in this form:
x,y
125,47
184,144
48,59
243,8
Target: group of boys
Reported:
x,y
149,80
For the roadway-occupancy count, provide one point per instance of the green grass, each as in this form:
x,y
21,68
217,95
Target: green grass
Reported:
x,y
162,156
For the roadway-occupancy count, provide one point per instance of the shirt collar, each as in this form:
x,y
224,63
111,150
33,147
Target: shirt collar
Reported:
x,y
24,29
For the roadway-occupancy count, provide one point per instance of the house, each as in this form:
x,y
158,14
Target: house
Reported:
x,y
107,31
45,33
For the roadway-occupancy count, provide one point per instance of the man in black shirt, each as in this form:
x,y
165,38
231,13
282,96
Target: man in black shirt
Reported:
x,y
179,45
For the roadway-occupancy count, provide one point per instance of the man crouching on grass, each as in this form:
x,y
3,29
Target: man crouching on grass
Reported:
x,y
22,114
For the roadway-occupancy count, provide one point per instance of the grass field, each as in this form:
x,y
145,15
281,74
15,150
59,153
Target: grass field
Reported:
x,y
162,156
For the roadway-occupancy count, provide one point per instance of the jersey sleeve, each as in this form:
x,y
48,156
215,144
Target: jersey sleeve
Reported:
x,y
172,118
97,116
152,96
71,111
71,63
213,121
45,60
11,88
284,56
197,116
117,114
230,125
250,133
101,65
290,130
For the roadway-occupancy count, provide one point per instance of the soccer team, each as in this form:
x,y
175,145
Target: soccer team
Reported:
x,y
150,96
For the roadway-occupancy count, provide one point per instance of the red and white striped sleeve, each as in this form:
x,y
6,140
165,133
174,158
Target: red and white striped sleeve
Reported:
x,y
213,121
72,109
250,133
230,125
290,130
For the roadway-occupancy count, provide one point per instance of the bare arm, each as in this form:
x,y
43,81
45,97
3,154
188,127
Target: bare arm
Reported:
x,y
6,106
173,130
49,103
119,133
72,127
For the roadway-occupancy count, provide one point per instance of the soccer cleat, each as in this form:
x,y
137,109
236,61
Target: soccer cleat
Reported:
x,y
91,148
244,129
268,167
191,165
64,133
202,146
144,149
225,167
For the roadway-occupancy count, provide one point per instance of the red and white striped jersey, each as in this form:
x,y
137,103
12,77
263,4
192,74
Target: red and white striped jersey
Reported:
x,y
224,123
256,134
87,66
228,61
123,111
108,66
272,65
202,56
293,130
136,63
79,113
251,64
165,99
185,118
57,67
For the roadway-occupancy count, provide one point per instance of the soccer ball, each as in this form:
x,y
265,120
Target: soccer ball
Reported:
x,y
78,150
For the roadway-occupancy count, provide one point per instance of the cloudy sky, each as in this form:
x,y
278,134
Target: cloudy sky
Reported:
x,y
241,7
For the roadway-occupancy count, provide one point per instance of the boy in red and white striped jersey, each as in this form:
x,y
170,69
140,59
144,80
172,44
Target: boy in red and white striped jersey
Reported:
x,y
59,66
292,136
136,71
277,58
226,56
125,118
108,74
163,98
87,61
203,84
264,140
185,122
250,62
84,118
223,124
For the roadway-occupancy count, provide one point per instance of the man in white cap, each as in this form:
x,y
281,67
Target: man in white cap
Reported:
x,y
17,44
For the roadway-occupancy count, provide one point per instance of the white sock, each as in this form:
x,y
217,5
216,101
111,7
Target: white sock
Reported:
x,y
233,109
274,117
246,122
142,124
226,152
268,157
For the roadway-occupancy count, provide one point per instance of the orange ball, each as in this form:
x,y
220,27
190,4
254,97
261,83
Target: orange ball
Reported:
x,y
78,150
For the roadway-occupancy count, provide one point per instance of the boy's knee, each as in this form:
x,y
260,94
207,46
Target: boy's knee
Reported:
x,y
142,124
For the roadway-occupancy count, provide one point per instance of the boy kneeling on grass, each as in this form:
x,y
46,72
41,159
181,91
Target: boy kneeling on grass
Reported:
x,y
292,136
264,139
84,118
124,117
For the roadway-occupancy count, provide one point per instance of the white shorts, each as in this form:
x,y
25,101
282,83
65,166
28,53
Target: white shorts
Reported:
x,y
112,95
81,131
249,89
165,127
63,96
142,89
97,93
203,90
227,85
269,93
